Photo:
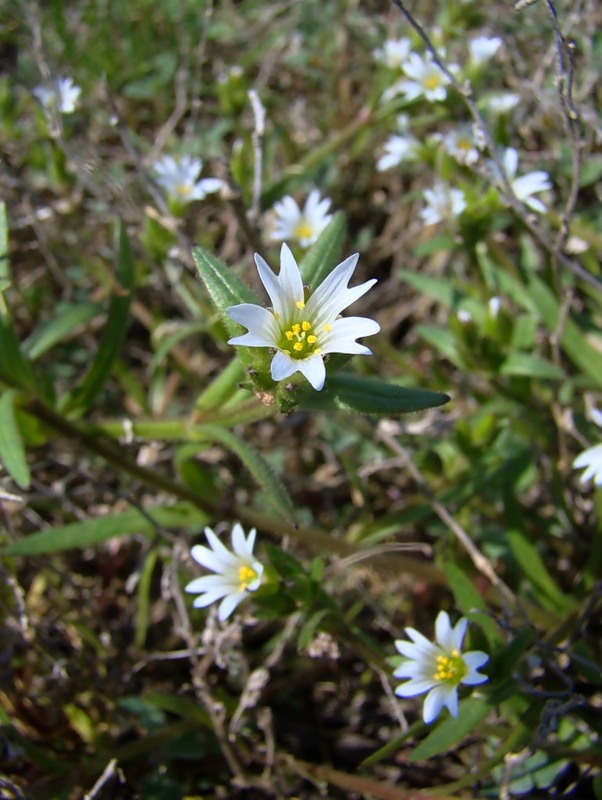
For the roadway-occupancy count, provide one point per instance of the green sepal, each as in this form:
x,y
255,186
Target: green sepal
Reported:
x,y
324,255
345,392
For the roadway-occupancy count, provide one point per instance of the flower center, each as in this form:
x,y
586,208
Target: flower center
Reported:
x,y
246,576
299,340
432,81
182,189
303,230
450,668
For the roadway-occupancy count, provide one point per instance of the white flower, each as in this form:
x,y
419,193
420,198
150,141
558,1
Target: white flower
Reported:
x,y
61,96
178,177
424,78
438,667
398,149
303,226
236,573
304,326
525,186
461,145
592,457
442,203
502,102
394,52
483,48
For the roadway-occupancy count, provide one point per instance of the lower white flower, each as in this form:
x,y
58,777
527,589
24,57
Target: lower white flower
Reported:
x,y
482,48
423,79
304,326
61,96
461,145
442,203
394,52
237,573
438,667
591,458
525,186
302,226
502,102
178,177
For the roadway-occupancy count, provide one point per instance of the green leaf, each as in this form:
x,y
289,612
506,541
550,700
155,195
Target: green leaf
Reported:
x,y
100,529
60,326
257,466
531,366
535,571
451,730
4,265
572,339
441,291
12,451
324,255
83,397
143,596
225,288
346,392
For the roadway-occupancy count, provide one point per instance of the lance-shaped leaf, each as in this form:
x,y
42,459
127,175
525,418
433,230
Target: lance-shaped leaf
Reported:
x,y
82,398
345,392
12,451
225,288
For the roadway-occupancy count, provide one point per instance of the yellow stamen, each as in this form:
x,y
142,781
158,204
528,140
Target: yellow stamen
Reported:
x,y
306,325
432,82
288,334
450,668
326,328
311,339
298,346
303,230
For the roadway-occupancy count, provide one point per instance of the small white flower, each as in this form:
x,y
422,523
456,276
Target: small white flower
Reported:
x,y
178,177
442,203
398,149
464,316
394,52
502,102
302,226
494,305
438,667
483,48
61,96
302,326
461,145
525,186
236,573
592,457
423,79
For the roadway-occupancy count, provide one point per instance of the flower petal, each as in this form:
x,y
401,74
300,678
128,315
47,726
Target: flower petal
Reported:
x,y
314,370
228,605
434,702
283,366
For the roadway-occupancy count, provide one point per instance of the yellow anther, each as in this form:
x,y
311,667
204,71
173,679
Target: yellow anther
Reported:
x,y
298,346
296,328
288,334
311,339
246,576
300,304
317,351
326,328
303,230
432,82
306,325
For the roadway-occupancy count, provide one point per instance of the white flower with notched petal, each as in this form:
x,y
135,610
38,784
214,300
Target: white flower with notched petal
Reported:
x,y
178,177
482,48
423,79
394,52
438,667
591,458
525,186
442,203
302,226
303,327
237,573
61,96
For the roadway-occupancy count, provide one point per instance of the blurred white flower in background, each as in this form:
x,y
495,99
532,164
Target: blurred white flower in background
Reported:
x,y
393,53
303,226
525,186
423,79
237,572
502,102
301,326
591,458
460,143
438,667
398,149
442,203
61,96
178,177
483,48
